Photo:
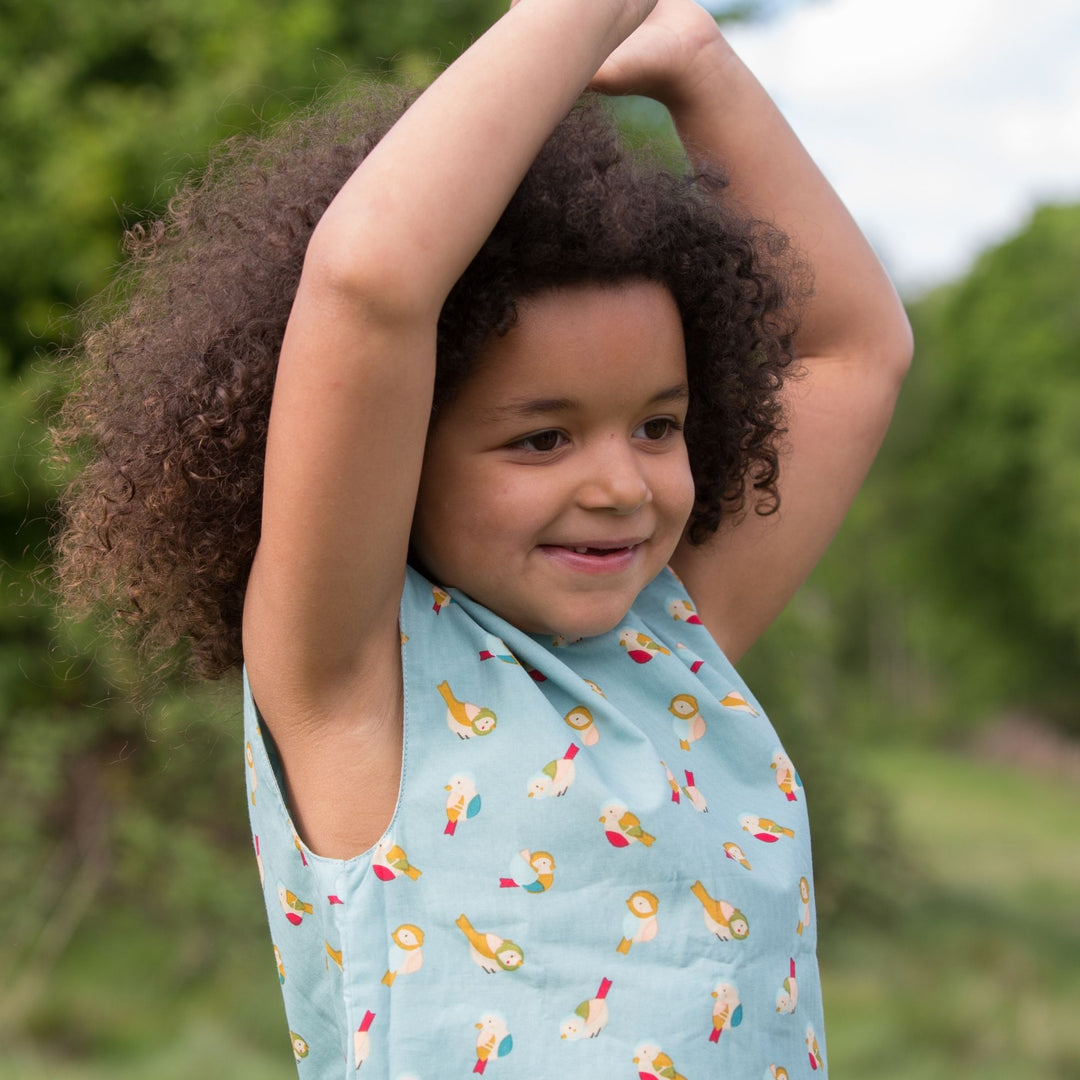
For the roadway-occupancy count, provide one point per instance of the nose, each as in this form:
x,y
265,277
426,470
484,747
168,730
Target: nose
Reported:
x,y
613,478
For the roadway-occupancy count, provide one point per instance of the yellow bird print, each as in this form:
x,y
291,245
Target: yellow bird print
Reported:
x,y
390,861
493,1040
463,718
623,828
640,924
581,720
683,611
533,871
689,724
813,1050
723,919
640,647
334,954
733,851
490,952
764,829
407,955
440,597
653,1064
734,700
787,779
294,908
249,756
804,906
727,1012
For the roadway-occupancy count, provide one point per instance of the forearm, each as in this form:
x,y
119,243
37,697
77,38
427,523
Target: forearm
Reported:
x,y
410,219
722,113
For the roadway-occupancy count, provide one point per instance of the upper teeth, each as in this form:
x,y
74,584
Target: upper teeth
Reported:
x,y
581,551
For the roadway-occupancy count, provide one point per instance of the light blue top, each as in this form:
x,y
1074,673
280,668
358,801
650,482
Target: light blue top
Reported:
x,y
599,866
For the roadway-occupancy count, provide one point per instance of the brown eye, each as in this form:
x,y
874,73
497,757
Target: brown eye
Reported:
x,y
542,442
659,428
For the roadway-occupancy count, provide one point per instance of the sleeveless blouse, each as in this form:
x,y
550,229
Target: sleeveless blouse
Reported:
x,y
598,867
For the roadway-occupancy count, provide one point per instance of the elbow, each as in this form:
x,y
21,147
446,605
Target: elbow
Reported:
x,y
371,275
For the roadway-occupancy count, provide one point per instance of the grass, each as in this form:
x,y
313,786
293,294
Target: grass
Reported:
x,y
979,971
975,972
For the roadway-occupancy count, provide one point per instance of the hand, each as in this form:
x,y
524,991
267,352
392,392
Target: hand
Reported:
x,y
664,57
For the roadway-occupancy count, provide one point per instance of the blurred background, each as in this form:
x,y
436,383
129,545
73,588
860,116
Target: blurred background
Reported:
x,y
926,679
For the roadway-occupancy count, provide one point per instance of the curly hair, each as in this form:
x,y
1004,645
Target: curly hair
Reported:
x,y
174,374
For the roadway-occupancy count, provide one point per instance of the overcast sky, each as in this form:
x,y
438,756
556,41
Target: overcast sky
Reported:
x,y
942,123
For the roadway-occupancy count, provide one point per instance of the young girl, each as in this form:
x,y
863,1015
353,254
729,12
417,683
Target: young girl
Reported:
x,y
513,808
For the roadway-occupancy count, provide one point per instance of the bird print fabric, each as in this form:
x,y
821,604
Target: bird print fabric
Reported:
x,y
555,897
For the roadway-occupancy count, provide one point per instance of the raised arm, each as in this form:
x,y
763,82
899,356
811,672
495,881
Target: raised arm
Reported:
x,y
354,383
854,340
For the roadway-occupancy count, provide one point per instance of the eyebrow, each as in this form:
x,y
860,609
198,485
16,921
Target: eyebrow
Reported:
x,y
526,408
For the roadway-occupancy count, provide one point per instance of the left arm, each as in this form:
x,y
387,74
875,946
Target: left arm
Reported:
x,y
854,341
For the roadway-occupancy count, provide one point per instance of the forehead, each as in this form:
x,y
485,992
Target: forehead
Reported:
x,y
622,344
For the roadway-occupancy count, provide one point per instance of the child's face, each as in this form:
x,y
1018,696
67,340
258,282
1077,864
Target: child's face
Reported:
x,y
556,483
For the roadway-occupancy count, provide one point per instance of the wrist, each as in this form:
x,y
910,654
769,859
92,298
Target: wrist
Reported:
x,y
707,79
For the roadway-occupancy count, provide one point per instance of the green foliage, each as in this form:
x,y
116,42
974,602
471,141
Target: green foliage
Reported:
x,y
952,591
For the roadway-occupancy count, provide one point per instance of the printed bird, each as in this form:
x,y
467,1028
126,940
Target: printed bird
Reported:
x,y
280,965
249,755
787,779
492,1041
494,649
640,647
692,660
463,718
300,1047
295,909
536,676
734,700
813,1051
362,1040
561,641
787,997
623,828
441,598
640,924
764,829
258,859
389,861
555,778
727,1012
462,800
697,800
406,954
733,851
689,724
724,920
533,871
490,952
593,687
589,1017
334,954
804,906
672,783
581,720
683,611
298,843
776,1072
653,1064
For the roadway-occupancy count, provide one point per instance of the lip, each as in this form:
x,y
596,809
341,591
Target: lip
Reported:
x,y
602,556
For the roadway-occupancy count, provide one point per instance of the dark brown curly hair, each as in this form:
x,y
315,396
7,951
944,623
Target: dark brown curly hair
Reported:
x,y
173,377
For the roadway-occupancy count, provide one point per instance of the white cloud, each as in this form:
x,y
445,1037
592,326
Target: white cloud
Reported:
x,y
942,123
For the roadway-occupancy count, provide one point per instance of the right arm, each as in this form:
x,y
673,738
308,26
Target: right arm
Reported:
x,y
354,384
